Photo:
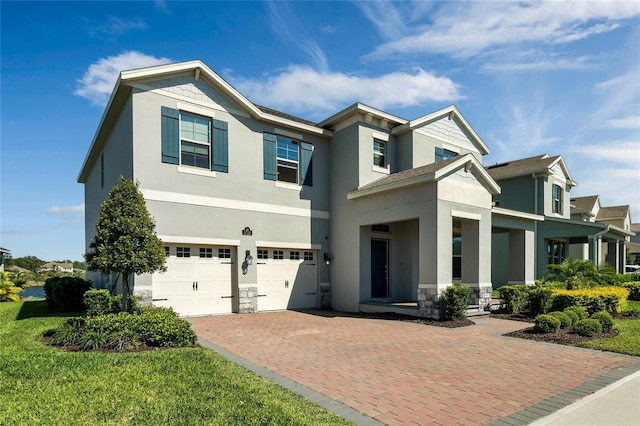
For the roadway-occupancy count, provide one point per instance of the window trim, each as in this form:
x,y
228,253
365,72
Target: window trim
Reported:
x,y
557,200
380,153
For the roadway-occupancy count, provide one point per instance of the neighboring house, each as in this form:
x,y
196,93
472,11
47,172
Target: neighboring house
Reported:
x,y
540,186
3,253
634,244
259,210
58,267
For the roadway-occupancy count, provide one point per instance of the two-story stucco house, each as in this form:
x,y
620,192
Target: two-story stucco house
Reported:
x,y
540,187
259,210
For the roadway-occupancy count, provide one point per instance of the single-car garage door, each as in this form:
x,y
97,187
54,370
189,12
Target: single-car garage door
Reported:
x,y
287,279
198,280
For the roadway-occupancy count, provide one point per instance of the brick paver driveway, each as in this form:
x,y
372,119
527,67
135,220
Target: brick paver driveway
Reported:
x,y
405,373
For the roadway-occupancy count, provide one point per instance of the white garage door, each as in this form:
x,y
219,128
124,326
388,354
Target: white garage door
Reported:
x,y
287,279
197,281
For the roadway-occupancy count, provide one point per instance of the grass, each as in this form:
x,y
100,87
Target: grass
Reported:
x,y
194,386
628,339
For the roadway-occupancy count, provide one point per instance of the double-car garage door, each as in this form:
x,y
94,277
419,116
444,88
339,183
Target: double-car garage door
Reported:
x,y
199,279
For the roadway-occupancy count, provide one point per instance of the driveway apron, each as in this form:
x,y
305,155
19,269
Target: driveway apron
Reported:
x,y
408,373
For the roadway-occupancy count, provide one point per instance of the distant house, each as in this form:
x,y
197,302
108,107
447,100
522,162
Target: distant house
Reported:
x,y
3,253
58,267
634,243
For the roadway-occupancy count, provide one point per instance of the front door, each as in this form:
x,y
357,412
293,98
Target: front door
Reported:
x,y
379,268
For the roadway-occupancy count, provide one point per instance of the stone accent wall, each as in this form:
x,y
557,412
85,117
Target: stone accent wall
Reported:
x,y
429,304
145,297
481,296
248,302
325,296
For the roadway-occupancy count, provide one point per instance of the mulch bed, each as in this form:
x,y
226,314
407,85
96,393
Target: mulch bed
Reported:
x,y
142,347
426,321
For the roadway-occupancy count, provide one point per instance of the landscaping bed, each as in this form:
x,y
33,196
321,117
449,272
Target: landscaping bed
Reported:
x,y
425,321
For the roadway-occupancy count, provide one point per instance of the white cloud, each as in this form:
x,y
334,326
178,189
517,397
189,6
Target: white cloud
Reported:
x,y
471,28
624,153
329,29
303,89
545,63
66,210
99,79
115,27
628,122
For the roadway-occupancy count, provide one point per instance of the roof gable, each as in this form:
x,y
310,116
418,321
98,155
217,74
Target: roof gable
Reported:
x,y
615,212
447,124
589,205
539,164
425,174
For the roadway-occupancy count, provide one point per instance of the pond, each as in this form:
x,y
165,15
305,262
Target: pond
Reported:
x,y
36,292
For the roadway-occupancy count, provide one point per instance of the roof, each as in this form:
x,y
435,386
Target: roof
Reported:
x,y
526,166
4,250
428,173
583,204
137,77
453,114
635,227
360,108
615,212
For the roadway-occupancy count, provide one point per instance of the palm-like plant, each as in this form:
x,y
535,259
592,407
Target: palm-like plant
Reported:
x,y
9,292
581,273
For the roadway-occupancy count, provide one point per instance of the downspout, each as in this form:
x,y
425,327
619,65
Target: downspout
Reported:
x,y
595,237
535,225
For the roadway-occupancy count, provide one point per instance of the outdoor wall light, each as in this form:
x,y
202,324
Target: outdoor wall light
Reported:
x,y
327,259
248,258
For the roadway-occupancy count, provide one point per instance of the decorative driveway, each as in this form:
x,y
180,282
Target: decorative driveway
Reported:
x,y
408,373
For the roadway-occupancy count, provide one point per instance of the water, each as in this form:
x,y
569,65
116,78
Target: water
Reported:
x,y
33,292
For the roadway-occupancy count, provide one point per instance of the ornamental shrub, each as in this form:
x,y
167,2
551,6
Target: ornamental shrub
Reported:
x,y
571,314
634,290
565,320
579,311
64,294
515,297
97,302
588,327
545,323
606,320
610,299
456,300
164,330
540,300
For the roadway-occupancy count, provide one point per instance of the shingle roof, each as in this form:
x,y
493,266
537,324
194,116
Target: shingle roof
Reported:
x,y
583,204
615,212
408,174
284,115
521,167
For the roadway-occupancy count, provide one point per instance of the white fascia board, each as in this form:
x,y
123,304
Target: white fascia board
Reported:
x,y
470,162
360,108
391,186
439,114
288,245
198,240
564,168
519,215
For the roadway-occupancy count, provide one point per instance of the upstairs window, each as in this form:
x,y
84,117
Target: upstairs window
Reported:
x,y
557,199
443,154
287,160
193,140
379,153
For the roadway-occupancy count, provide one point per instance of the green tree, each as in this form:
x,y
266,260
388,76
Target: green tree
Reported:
x,y
31,263
125,241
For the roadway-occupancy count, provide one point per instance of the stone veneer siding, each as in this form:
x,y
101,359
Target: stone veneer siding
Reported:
x,y
248,302
325,296
429,304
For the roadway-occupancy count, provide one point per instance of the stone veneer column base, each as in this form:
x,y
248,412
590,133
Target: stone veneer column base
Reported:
x,y
480,295
248,300
325,296
429,301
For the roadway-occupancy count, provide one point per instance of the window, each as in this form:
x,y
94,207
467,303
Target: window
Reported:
x,y
183,252
557,199
224,253
263,254
456,244
278,254
382,228
294,255
556,251
194,141
206,252
166,251
287,160
308,255
443,154
379,153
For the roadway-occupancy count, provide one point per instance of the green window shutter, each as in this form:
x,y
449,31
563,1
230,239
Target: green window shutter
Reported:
x,y
170,128
269,156
306,166
439,154
220,161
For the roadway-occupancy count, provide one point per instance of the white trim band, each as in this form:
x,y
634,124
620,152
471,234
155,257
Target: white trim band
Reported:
x,y
198,240
285,245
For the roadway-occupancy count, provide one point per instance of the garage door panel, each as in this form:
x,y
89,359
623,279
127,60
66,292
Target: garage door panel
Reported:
x,y
286,283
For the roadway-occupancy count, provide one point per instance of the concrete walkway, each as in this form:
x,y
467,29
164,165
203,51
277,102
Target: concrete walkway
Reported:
x,y
371,370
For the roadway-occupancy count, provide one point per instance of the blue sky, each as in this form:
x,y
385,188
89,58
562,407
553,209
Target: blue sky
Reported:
x,y
531,78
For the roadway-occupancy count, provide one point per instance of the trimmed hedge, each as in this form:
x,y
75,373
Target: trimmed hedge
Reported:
x,y
588,327
540,300
577,310
65,294
605,319
515,297
100,302
565,320
546,323
456,301
572,315
610,299
634,290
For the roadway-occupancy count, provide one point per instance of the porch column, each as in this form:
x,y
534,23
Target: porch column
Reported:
x,y
429,288
622,261
595,250
521,257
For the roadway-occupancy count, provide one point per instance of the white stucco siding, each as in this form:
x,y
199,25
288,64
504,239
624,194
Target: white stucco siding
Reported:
x,y
464,188
449,131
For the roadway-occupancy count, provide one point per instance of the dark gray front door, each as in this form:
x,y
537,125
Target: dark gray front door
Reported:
x,y
379,268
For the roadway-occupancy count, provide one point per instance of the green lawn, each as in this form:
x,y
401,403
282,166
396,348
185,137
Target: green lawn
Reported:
x,y
191,386
627,342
